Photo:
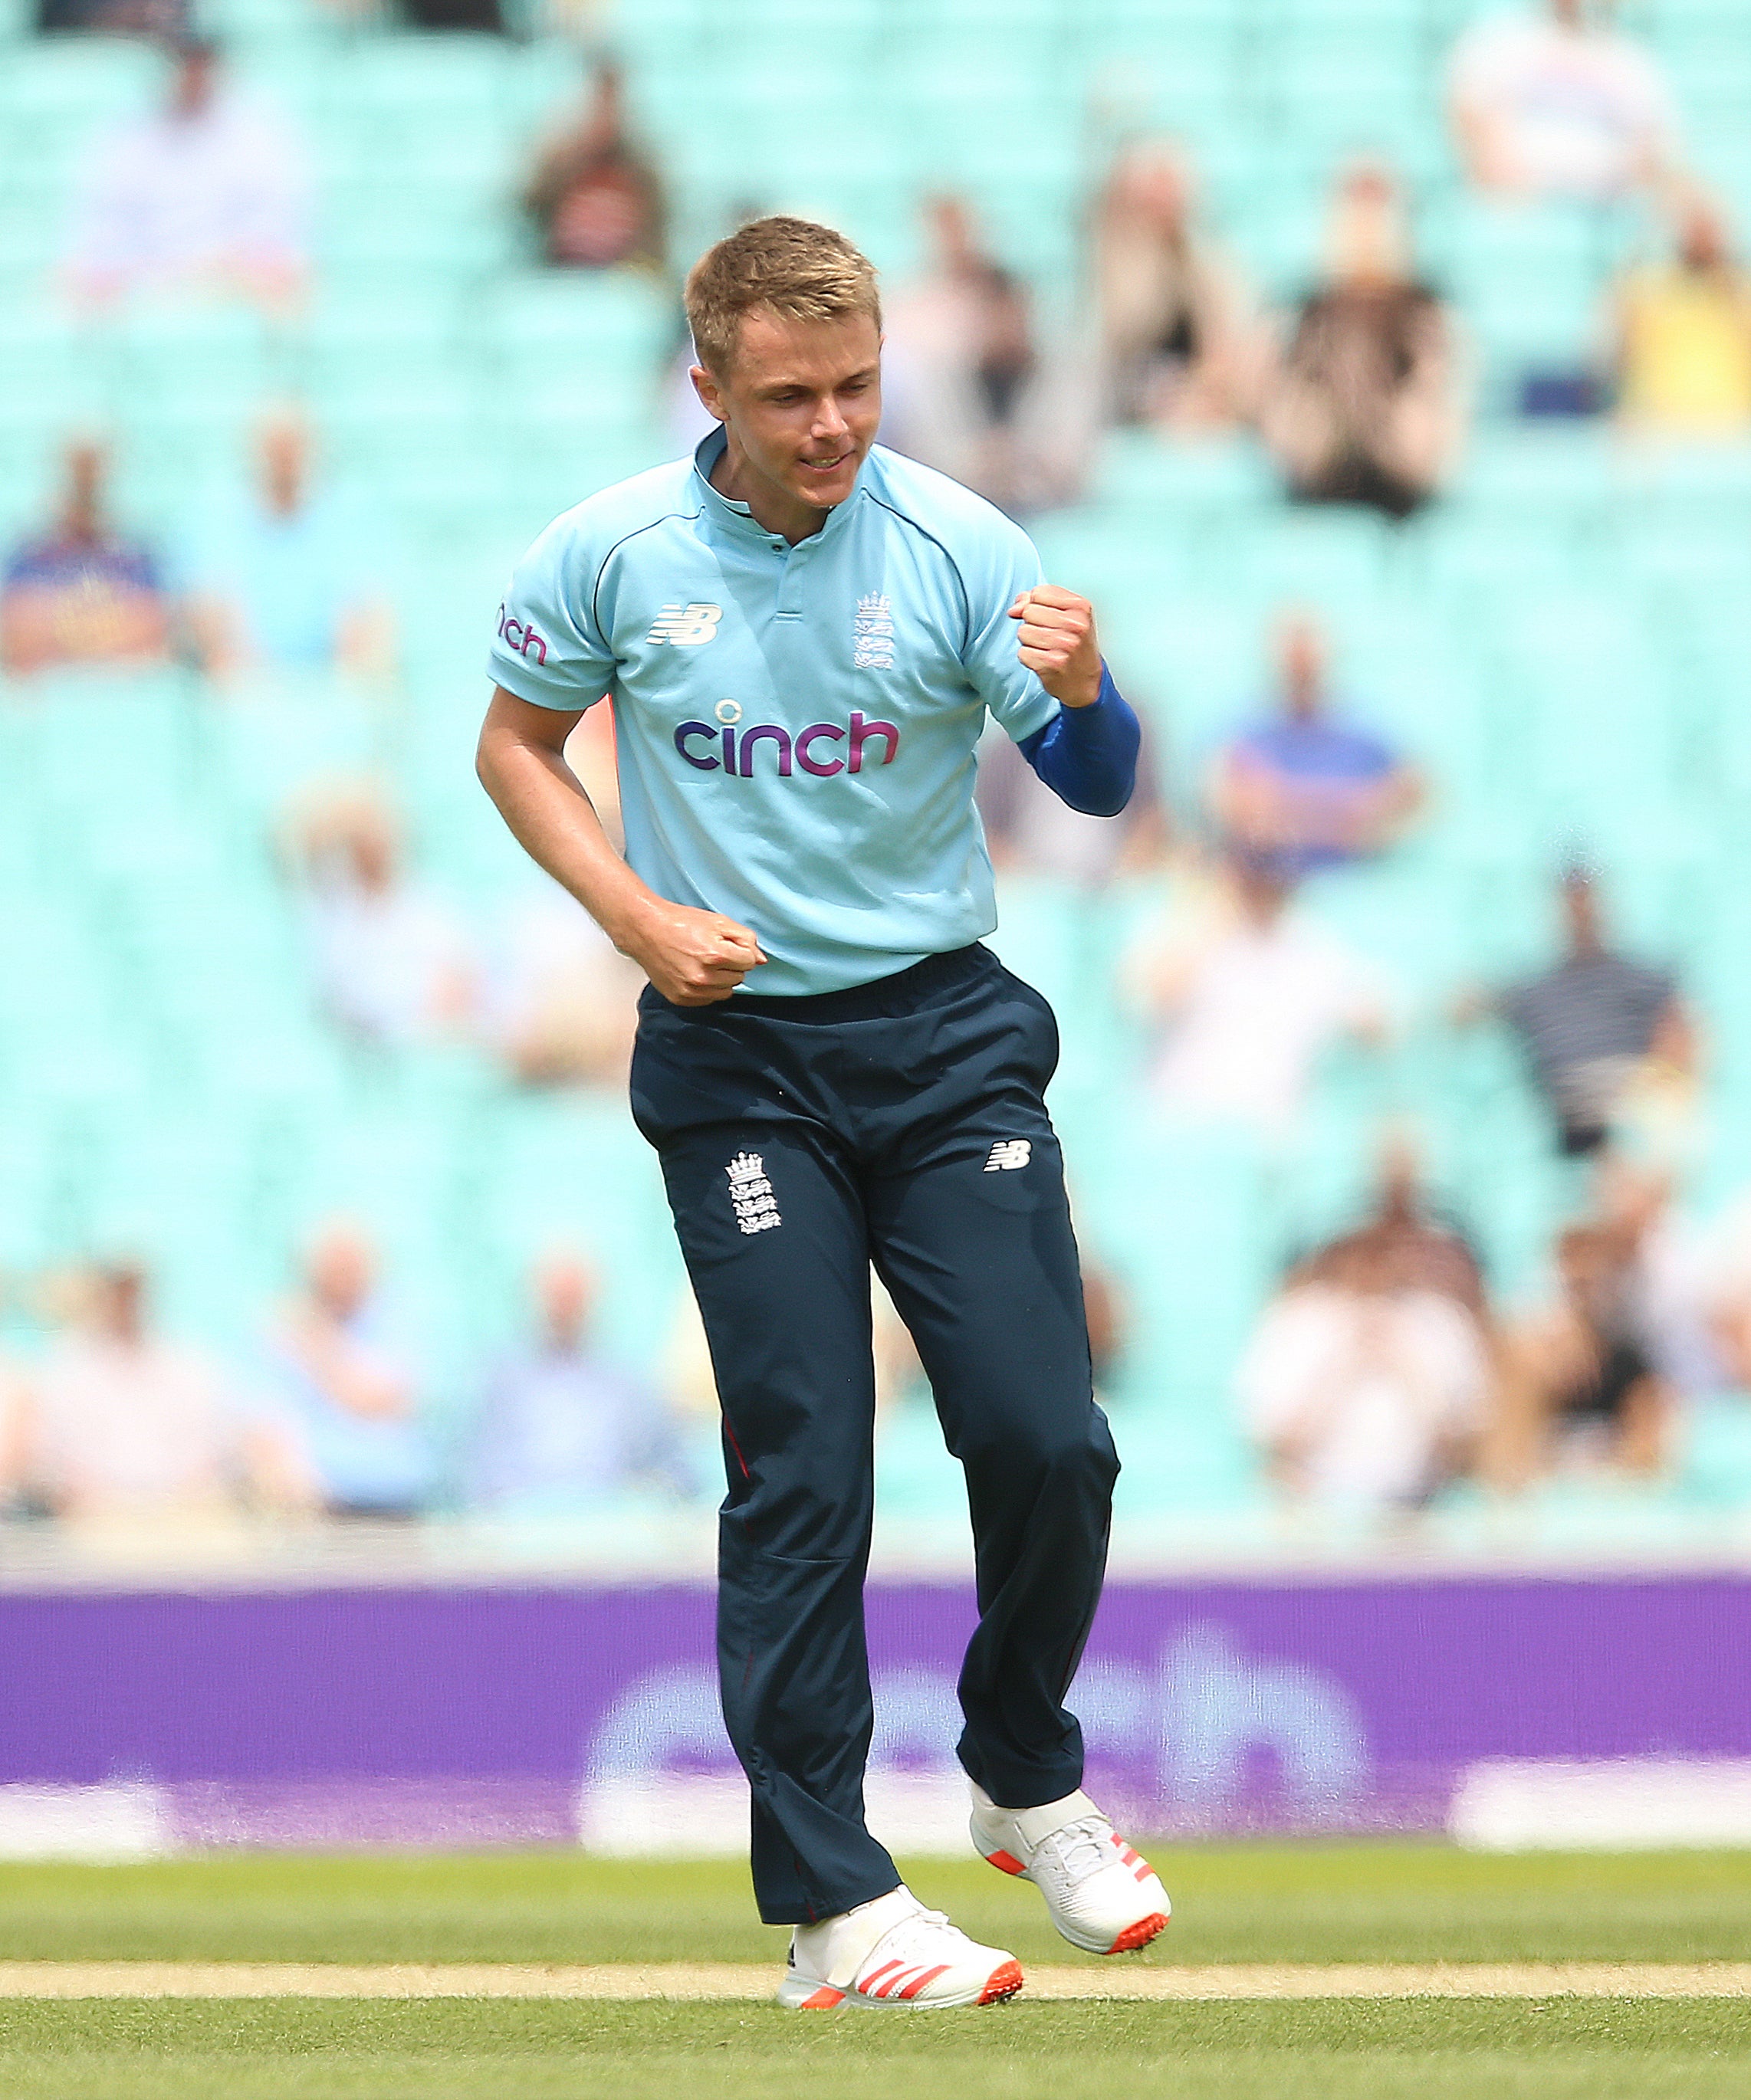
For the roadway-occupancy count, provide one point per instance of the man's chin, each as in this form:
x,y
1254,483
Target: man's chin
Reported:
x,y
823,491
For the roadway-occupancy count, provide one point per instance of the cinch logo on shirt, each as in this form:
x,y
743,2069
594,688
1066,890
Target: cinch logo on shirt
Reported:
x,y
738,746
521,636
685,625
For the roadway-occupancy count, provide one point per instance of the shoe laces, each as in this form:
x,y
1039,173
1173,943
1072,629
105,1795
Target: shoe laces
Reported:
x,y
900,1938
1081,1848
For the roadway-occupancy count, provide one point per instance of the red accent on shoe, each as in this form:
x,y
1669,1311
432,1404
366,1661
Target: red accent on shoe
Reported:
x,y
1006,1863
1139,1935
822,2000
868,1986
1005,1982
919,1982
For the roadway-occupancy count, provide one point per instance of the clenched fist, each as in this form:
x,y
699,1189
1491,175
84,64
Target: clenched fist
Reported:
x,y
693,958
1057,644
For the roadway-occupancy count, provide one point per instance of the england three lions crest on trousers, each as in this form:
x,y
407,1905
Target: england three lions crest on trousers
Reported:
x,y
751,1196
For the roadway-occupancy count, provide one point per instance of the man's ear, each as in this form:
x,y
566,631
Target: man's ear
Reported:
x,y
710,394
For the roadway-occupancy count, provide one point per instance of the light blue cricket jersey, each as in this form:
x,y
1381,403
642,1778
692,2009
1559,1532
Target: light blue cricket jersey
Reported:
x,y
795,726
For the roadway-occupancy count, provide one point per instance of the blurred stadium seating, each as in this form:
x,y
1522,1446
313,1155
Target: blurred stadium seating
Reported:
x,y
1564,643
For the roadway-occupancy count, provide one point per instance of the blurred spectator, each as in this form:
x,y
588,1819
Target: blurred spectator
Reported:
x,y
1674,1266
208,195
1249,991
80,594
1364,405
112,18
484,16
1598,1028
347,1384
1582,1391
1553,104
1406,1236
122,1425
1030,829
1684,335
1306,789
562,1427
392,966
15,1438
1180,344
596,201
286,580
1364,1389
564,1002
962,358
1725,1271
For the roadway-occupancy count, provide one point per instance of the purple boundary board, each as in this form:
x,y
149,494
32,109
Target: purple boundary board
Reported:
x,y
487,1714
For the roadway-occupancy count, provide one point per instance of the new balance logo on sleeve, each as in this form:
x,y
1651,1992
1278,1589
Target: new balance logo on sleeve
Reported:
x,y
686,625
751,1196
1008,1153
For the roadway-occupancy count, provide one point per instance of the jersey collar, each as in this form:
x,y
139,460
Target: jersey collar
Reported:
x,y
737,519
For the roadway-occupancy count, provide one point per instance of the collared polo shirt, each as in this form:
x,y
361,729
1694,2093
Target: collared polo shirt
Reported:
x,y
795,726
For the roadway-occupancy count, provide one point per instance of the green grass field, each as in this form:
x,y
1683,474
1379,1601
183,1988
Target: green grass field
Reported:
x,y
1254,1904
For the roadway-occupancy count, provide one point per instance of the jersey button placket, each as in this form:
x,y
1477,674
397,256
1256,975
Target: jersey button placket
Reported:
x,y
792,580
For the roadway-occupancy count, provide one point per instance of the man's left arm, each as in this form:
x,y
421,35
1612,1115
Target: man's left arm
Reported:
x,y
1086,754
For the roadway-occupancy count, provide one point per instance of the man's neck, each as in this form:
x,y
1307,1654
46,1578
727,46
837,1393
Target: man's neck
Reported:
x,y
768,504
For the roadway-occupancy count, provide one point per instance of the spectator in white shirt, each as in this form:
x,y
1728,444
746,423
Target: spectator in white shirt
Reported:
x,y
1250,991
1558,105
392,962
207,195
121,1424
1362,1390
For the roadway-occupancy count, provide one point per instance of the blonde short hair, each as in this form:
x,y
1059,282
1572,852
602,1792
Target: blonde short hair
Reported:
x,y
802,271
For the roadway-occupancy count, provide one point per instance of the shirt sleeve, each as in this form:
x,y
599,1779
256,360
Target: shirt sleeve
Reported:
x,y
996,571
549,650
1088,756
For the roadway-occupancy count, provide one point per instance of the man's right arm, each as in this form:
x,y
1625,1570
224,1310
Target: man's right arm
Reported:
x,y
693,958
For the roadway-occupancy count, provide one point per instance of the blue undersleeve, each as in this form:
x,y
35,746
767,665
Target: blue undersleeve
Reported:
x,y
1088,756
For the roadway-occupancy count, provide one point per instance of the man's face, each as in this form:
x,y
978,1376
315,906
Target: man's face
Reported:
x,y
191,89
341,1270
283,454
801,400
1580,909
564,1289
122,1304
1301,654
85,479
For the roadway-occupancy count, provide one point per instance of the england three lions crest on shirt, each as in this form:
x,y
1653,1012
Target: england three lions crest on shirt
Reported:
x,y
872,633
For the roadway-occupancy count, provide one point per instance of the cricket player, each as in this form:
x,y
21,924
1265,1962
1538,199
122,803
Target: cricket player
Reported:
x,y
801,634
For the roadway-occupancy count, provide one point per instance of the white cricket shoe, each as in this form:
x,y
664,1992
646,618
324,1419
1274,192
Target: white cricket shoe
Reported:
x,y
893,1951
1102,1897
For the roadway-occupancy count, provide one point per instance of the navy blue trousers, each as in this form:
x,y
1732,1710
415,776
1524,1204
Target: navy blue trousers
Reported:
x,y
900,1124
